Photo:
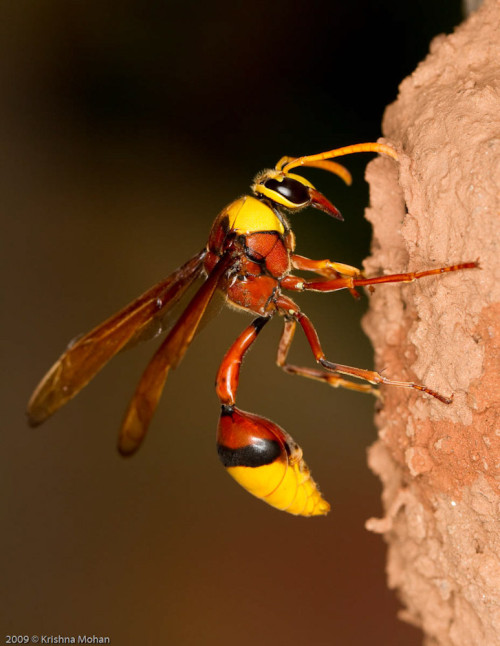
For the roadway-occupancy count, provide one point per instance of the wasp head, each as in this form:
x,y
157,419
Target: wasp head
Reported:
x,y
291,191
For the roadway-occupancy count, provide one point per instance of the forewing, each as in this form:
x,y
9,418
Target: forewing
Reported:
x,y
168,355
85,358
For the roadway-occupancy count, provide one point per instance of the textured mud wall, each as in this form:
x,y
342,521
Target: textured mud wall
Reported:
x,y
440,465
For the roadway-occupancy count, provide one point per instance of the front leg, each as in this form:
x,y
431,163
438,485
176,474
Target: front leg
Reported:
x,y
325,268
328,269
297,284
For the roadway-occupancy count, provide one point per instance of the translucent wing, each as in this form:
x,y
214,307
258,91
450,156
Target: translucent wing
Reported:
x,y
85,358
168,355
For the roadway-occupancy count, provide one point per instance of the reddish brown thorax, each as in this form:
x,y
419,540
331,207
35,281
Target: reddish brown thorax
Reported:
x,y
263,256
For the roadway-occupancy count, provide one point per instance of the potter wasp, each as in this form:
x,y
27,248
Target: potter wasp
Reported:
x,y
249,258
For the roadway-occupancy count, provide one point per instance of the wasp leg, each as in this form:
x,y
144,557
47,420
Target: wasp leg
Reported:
x,y
325,268
328,269
330,378
291,310
299,285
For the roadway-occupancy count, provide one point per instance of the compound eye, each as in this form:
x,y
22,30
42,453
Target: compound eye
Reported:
x,y
291,189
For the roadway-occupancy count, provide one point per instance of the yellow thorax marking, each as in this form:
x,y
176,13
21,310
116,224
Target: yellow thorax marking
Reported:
x,y
248,215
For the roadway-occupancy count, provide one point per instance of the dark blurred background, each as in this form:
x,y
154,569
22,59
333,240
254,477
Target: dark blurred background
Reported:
x,y
125,127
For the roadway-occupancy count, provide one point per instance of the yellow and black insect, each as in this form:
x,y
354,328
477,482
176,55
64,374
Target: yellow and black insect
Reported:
x,y
249,257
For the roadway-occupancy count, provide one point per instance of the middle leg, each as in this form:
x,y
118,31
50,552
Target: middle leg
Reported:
x,y
289,309
329,378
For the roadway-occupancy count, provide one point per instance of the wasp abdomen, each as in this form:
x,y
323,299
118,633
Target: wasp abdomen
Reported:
x,y
266,461
257,454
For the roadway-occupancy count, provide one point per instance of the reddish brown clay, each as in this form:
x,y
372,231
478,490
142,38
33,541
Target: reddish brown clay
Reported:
x,y
440,465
